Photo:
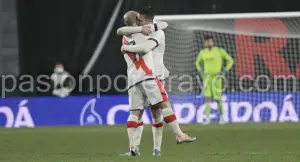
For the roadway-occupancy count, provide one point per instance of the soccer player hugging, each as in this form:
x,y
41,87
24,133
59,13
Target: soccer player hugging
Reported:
x,y
143,49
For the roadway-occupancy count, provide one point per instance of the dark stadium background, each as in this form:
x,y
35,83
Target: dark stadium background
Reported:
x,y
39,127
68,31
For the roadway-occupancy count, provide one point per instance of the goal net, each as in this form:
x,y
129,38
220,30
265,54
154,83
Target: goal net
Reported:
x,y
263,84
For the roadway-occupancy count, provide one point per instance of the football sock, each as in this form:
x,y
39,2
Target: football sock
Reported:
x,y
170,119
220,107
157,130
139,131
207,110
132,124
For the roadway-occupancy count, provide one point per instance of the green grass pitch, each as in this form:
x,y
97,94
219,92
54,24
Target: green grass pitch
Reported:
x,y
229,143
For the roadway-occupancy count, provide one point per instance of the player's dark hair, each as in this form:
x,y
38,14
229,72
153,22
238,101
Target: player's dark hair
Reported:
x,y
148,12
208,37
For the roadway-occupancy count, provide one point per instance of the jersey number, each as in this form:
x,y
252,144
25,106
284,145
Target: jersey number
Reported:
x,y
139,63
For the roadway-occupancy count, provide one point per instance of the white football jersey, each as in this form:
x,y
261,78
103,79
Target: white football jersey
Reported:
x,y
139,68
160,71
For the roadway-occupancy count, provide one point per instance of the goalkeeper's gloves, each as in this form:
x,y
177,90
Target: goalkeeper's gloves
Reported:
x,y
201,73
223,73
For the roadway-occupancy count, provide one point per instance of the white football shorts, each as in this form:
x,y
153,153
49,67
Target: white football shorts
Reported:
x,y
145,93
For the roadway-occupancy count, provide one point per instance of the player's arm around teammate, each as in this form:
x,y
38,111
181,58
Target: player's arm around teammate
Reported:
x,y
143,91
212,58
146,29
158,92
145,47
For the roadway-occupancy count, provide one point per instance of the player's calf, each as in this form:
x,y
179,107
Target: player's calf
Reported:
x,y
132,125
207,110
139,132
157,130
220,109
170,119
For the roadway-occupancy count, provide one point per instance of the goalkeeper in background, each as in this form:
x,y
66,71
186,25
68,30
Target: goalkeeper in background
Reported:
x,y
212,58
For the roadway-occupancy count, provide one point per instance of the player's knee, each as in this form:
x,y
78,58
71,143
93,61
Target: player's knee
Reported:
x,y
208,99
218,99
132,121
161,105
141,114
135,113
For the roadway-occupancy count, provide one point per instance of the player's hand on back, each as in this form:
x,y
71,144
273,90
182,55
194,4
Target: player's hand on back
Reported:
x,y
201,73
146,30
122,49
223,73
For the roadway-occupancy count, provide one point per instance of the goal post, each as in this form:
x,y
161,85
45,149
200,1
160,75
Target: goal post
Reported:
x,y
263,84
228,16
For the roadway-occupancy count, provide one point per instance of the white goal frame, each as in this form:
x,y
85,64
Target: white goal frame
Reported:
x,y
183,46
228,16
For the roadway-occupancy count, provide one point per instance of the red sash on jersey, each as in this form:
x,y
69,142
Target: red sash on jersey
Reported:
x,y
140,63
